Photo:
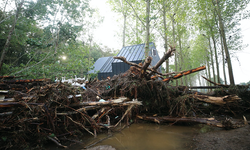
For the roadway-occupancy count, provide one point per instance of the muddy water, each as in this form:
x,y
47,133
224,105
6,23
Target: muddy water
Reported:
x,y
148,137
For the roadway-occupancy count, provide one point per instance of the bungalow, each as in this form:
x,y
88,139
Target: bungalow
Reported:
x,y
108,66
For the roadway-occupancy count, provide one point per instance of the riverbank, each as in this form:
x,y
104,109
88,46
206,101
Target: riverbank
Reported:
x,y
224,139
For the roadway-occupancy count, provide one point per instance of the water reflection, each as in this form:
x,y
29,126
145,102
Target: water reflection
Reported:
x,y
148,136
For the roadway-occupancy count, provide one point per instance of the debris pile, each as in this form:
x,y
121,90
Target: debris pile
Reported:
x,y
36,111
56,112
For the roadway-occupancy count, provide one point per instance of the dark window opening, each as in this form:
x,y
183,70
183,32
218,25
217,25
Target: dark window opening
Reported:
x,y
154,52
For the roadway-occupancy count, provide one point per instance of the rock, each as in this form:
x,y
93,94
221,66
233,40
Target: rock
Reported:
x,y
102,147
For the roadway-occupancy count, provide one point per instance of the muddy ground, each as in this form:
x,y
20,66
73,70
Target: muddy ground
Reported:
x,y
234,139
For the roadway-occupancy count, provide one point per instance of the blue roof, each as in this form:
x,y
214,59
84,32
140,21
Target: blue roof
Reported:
x,y
134,53
99,64
137,53
107,66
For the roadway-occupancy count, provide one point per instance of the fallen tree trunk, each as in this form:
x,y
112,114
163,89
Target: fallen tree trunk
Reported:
x,y
119,102
184,73
204,87
217,100
208,121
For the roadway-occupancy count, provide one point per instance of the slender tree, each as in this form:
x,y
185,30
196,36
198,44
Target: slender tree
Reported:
x,y
230,68
7,43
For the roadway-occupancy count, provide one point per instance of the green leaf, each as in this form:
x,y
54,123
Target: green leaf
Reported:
x,y
4,138
52,135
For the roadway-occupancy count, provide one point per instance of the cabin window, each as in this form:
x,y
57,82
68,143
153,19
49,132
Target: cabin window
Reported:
x,y
153,52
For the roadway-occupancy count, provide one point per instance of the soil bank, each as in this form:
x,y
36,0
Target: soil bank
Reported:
x,y
224,139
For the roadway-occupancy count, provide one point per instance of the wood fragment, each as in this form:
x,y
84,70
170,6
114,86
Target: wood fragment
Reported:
x,y
55,141
168,54
145,66
185,73
116,101
204,87
6,113
84,109
217,100
81,126
208,121
136,65
7,100
26,81
128,109
98,113
223,85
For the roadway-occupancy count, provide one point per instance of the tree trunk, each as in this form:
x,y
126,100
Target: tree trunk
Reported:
x,y
208,65
137,31
6,46
165,35
208,121
223,60
222,51
124,29
216,57
199,79
211,53
147,29
181,60
230,68
190,81
175,56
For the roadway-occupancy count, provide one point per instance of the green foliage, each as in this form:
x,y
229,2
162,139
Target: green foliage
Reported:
x,y
245,83
45,32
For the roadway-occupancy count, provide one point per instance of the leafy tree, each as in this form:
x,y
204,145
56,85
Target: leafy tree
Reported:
x,y
44,32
